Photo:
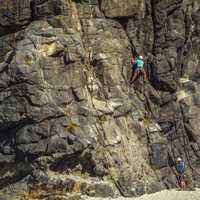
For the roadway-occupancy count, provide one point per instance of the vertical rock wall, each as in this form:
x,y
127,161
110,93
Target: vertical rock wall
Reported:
x,y
69,119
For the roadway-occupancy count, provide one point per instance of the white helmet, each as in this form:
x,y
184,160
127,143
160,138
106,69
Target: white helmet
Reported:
x,y
141,57
179,159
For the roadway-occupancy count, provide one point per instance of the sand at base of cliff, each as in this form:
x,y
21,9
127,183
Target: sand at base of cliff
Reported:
x,y
163,195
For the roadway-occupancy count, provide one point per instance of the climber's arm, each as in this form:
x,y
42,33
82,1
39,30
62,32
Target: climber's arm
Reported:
x,y
132,61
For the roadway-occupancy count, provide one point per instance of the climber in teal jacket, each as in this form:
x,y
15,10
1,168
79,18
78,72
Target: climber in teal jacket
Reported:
x,y
137,69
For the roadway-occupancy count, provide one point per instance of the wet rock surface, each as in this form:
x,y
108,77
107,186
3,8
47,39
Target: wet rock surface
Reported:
x,y
66,106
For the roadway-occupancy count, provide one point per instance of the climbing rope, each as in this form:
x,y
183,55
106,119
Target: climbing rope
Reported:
x,y
187,154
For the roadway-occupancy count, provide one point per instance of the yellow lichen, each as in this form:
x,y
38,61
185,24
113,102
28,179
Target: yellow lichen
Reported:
x,y
51,48
77,187
102,119
71,126
28,60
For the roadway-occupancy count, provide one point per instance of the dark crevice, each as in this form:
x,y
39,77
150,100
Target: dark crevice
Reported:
x,y
18,170
7,128
76,161
32,5
76,97
190,135
123,21
12,28
154,26
51,117
173,10
99,4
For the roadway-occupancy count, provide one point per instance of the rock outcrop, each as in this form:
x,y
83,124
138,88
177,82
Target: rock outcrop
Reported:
x,y
70,121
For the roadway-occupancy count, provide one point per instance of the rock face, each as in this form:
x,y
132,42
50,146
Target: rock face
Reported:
x,y
127,8
67,108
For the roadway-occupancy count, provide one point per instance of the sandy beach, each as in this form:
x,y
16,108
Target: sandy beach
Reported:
x,y
163,195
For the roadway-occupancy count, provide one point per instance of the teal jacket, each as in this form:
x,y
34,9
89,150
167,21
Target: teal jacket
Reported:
x,y
138,64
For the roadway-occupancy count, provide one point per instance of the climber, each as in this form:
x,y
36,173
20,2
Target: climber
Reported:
x,y
180,169
137,69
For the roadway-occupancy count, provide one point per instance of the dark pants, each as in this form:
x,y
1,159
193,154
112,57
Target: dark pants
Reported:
x,y
136,73
181,181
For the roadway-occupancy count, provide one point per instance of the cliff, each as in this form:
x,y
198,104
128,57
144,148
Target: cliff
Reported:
x,y
69,120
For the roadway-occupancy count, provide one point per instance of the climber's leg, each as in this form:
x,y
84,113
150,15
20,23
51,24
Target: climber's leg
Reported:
x,y
134,76
143,72
145,75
